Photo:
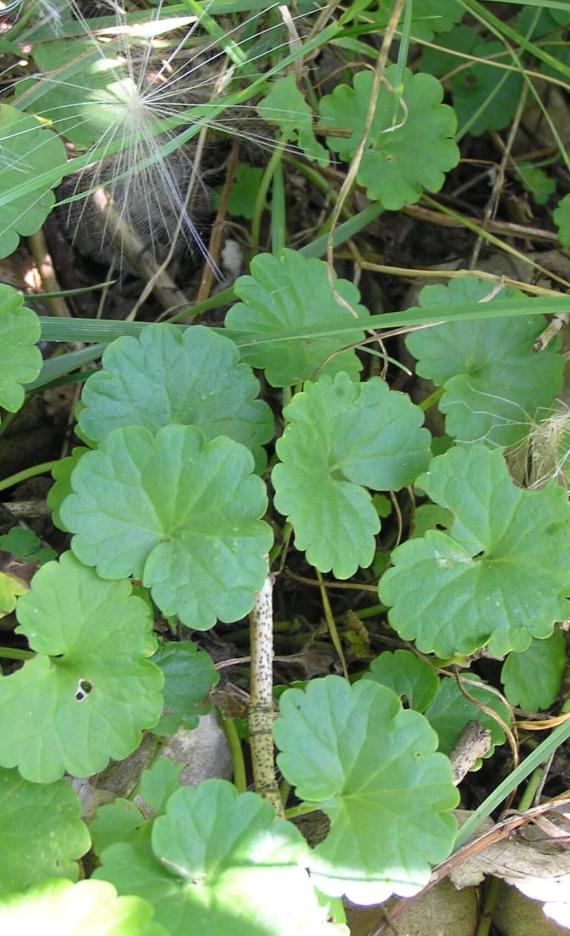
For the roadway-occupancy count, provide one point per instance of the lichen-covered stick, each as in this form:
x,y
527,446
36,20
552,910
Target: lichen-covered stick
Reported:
x,y
261,704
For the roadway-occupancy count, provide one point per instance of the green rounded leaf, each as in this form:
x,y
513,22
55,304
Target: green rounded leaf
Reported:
x,y
90,691
241,203
178,512
290,293
437,61
28,150
89,908
371,767
344,437
86,94
41,832
286,107
428,16
120,821
561,216
410,144
536,181
25,546
61,474
20,359
221,863
533,679
170,375
189,675
158,782
10,587
430,517
407,675
485,98
494,381
450,712
498,578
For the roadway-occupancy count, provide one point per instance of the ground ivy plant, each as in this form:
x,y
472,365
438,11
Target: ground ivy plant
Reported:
x,y
167,511
212,462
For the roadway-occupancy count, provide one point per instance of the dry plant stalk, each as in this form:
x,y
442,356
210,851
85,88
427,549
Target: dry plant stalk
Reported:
x,y
261,697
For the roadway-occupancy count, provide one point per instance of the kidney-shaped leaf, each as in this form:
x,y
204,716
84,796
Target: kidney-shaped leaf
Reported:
x,y
28,150
168,375
286,293
411,144
286,107
428,18
10,588
561,217
494,380
484,98
20,359
371,767
221,863
86,93
532,679
407,675
89,908
90,691
499,577
450,712
189,675
344,437
178,512
61,474
41,833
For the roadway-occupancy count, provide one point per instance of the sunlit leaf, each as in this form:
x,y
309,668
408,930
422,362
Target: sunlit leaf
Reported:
x,y
221,863
88,908
90,691
41,833
288,292
26,150
371,767
498,578
286,107
342,438
178,512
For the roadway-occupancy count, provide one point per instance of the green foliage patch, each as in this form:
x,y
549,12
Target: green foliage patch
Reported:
x,y
266,471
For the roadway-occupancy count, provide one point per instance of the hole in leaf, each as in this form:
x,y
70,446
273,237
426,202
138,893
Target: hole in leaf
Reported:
x,y
83,689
